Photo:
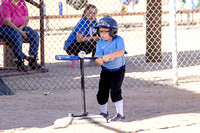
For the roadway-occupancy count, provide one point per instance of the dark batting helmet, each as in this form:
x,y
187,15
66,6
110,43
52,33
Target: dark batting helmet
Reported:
x,y
108,23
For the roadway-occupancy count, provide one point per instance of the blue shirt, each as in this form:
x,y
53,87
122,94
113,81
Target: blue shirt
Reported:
x,y
104,47
83,27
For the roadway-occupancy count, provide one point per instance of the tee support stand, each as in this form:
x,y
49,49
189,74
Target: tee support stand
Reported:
x,y
82,90
84,117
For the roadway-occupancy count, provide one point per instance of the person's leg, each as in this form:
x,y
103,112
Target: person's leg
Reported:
x,y
93,47
93,50
104,87
119,107
74,49
104,108
33,38
103,92
116,94
89,47
16,39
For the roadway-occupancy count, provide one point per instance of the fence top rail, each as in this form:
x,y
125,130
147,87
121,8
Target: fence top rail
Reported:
x,y
112,14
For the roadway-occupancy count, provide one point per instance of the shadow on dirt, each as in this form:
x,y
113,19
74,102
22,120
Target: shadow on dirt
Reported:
x,y
140,102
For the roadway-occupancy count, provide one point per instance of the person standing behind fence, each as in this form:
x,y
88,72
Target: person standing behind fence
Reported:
x,y
83,37
14,19
110,55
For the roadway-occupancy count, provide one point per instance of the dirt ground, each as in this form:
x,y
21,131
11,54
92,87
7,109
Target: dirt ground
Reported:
x,y
153,109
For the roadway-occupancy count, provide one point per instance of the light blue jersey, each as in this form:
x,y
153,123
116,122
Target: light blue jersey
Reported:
x,y
104,47
82,27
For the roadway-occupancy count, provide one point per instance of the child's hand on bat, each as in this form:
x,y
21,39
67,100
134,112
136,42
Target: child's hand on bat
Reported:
x,y
106,58
99,60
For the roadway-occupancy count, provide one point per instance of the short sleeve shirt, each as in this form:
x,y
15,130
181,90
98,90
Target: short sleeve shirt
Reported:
x,y
104,47
82,27
16,13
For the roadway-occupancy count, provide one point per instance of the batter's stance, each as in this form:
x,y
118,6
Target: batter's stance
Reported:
x,y
110,52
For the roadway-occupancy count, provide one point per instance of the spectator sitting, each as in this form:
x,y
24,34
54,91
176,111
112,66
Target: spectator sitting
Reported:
x,y
14,19
83,37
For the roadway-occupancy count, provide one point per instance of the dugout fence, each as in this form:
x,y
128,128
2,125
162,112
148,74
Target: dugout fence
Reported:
x,y
147,39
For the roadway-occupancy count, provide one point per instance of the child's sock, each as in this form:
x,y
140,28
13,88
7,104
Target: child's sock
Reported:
x,y
104,108
119,107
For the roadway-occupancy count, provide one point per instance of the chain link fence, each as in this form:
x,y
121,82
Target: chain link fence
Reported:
x,y
144,25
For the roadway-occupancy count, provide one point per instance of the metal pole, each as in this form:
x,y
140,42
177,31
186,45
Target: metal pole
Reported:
x,y
42,31
83,86
154,31
173,39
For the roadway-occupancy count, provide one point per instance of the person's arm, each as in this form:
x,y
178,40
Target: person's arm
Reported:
x,y
8,22
26,23
113,55
107,57
82,38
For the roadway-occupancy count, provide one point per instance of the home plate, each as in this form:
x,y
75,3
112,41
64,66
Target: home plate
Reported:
x,y
64,122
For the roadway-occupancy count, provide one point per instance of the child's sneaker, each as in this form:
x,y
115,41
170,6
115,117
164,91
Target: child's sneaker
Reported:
x,y
104,115
118,117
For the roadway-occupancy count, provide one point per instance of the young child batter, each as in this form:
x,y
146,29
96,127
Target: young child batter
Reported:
x,y
110,52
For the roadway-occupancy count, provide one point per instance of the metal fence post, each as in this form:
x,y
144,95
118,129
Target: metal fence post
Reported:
x,y
173,39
